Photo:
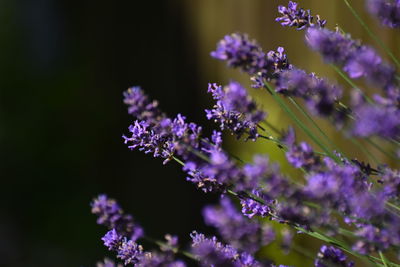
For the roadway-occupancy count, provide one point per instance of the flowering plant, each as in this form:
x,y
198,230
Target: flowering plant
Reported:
x,y
350,205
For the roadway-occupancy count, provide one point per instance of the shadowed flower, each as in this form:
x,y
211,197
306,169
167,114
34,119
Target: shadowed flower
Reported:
x,y
235,229
331,256
140,106
210,252
113,217
387,11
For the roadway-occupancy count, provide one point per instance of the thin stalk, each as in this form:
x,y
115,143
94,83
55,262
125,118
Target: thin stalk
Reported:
x,y
272,127
316,140
371,34
279,142
305,113
341,245
364,150
393,206
383,258
175,250
302,251
351,83
178,160
380,149
394,141
334,242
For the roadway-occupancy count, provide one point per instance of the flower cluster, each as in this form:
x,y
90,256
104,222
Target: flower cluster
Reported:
x,y
235,110
241,52
122,238
336,195
387,11
110,214
213,253
242,233
331,256
292,16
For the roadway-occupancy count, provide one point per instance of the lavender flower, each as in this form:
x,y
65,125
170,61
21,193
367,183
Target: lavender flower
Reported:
x,y
333,46
210,252
329,188
329,256
241,52
166,138
365,62
387,11
112,240
252,207
357,60
130,252
390,180
374,239
302,155
113,217
240,232
377,120
235,110
140,106
320,96
292,16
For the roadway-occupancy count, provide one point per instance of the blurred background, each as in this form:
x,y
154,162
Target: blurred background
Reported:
x,y
64,65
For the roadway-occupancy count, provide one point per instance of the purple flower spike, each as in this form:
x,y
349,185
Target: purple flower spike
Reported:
x,y
210,252
251,208
112,216
130,252
377,120
387,11
333,46
235,110
235,229
302,155
292,16
355,59
331,256
241,52
140,106
112,240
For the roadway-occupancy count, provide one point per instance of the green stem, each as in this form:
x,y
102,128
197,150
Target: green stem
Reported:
x,y
394,141
371,34
300,124
305,113
272,127
178,160
380,149
393,206
364,150
341,245
383,258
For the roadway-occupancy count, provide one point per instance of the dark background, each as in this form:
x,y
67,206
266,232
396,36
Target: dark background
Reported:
x,y
64,66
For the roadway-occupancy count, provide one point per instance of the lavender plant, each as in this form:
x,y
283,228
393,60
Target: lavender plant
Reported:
x,y
351,206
